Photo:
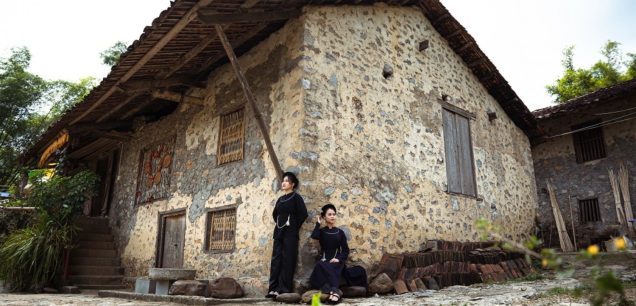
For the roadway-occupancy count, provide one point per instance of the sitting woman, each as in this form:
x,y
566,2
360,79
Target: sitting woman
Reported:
x,y
335,250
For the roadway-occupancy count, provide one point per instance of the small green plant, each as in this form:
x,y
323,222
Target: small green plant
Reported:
x,y
603,283
30,257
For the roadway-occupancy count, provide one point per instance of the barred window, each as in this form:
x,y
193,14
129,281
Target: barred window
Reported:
x,y
588,144
589,211
221,230
231,137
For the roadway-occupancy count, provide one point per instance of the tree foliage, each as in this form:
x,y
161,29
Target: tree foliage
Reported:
x,y
608,71
28,105
111,55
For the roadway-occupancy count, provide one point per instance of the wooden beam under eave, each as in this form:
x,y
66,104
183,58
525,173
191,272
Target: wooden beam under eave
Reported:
x,y
257,29
250,99
211,17
182,23
177,97
118,107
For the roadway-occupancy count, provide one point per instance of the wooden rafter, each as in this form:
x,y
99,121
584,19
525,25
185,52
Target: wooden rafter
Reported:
x,y
212,17
182,23
177,97
118,107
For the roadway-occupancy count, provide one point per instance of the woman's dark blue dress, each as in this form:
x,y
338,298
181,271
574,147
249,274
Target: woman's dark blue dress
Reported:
x,y
333,244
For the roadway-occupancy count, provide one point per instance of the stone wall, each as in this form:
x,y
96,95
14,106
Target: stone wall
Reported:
x,y
198,184
555,160
373,146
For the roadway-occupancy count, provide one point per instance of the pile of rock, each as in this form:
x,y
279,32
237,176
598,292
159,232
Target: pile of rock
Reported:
x,y
162,281
447,263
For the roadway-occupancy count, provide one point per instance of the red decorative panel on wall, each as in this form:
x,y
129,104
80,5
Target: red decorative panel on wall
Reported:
x,y
155,164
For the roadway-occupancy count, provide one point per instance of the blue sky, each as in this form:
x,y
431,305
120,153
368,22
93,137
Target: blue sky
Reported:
x,y
524,39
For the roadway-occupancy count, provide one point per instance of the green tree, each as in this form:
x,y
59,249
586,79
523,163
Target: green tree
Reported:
x,y
20,94
608,71
28,106
111,55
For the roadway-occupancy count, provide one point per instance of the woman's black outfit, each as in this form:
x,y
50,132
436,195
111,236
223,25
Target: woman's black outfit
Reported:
x,y
333,244
289,214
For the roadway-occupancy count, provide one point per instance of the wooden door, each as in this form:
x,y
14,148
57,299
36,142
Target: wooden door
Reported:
x,y
172,241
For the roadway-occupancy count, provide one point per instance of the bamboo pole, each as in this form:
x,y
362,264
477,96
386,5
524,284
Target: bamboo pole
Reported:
x,y
250,99
572,222
564,237
623,181
620,214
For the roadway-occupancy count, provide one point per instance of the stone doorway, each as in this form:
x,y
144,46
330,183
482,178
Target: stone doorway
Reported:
x,y
171,240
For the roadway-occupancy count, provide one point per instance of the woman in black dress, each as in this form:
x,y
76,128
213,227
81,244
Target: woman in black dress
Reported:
x,y
289,214
334,250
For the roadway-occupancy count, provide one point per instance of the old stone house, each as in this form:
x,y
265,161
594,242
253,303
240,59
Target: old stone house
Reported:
x,y
388,110
584,139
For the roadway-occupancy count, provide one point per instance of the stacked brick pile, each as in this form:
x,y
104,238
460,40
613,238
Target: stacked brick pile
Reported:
x,y
446,263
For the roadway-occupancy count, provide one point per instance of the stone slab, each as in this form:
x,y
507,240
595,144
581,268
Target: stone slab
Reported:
x,y
145,285
181,299
162,287
171,274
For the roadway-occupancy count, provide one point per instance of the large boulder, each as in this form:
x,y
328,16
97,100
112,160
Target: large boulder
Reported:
x,y
188,287
291,298
381,284
354,292
225,288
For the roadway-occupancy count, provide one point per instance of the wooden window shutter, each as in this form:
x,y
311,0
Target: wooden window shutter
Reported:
x,y
221,230
231,137
460,168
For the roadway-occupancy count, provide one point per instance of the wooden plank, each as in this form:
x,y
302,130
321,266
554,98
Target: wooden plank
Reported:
x,y
458,110
176,97
450,148
118,107
182,23
466,169
212,17
136,109
236,43
251,100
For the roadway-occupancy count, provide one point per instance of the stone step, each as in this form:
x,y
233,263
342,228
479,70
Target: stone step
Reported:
x,y
88,244
93,229
90,220
96,270
94,261
93,253
100,287
84,236
96,279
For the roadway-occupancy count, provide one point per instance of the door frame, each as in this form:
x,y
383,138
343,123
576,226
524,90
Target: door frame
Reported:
x,y
161,222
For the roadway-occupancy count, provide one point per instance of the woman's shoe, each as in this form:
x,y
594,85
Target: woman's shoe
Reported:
x,y
272,295
334,298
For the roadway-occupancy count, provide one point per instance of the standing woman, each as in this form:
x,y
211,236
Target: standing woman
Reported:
x,y
335,250
289,214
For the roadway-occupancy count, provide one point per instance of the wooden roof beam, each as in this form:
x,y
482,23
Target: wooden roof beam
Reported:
x,y
182,23
176,97
211,17
118,107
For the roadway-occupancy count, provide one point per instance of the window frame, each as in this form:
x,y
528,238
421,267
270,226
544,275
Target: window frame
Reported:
x,y
208,228
589,202
468,116
578,142
219,145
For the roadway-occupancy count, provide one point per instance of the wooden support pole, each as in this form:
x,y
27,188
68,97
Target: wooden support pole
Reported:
x,y
250,99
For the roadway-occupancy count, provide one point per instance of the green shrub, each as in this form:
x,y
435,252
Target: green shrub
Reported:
x,y
31,257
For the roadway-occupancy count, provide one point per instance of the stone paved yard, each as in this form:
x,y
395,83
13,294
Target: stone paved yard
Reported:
x,y
522,293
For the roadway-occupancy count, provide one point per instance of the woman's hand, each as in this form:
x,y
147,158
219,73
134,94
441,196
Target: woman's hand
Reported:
x,y
318,219
334,260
